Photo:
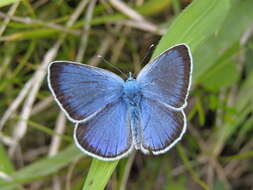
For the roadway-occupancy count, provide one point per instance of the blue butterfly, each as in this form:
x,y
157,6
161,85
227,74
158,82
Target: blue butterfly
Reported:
x,y
114,116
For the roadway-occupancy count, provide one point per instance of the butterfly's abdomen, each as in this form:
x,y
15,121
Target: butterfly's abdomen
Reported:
x,y
132,97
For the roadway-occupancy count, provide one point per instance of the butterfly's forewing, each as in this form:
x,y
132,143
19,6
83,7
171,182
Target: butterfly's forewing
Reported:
x,y
107,135
167,78
162,127
82,90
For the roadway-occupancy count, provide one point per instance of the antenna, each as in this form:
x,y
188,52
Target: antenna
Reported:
x,y
147,55
101,57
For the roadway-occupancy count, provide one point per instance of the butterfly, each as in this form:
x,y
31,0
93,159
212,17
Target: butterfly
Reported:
x,y
112,116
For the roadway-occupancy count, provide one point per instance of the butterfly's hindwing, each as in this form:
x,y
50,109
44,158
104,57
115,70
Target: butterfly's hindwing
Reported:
x,y
107,135
162,127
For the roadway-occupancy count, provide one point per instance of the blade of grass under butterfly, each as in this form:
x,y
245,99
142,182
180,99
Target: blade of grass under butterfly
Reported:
x,y
99,174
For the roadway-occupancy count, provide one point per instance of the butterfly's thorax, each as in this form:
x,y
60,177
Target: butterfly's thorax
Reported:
x,y
131,92
132,97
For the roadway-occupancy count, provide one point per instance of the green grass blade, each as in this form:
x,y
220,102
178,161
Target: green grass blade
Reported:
x,y
214,80
7,2
99,174
157,6
230,33
245,155
34,34
42,168
195,24
6,164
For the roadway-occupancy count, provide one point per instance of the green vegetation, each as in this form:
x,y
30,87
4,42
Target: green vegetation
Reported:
x,y
36,145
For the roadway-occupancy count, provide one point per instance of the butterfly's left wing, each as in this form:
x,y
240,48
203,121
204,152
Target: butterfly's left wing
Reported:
x,y
167,78
107,135
161,126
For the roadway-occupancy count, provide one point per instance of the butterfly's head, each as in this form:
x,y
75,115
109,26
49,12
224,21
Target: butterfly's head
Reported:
x,y
130,77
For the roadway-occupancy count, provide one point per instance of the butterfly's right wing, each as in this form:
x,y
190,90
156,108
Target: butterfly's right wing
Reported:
x,y
82,90
107,135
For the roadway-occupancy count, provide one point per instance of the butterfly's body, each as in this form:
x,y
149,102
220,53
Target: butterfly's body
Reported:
x,y
114,116
132,97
